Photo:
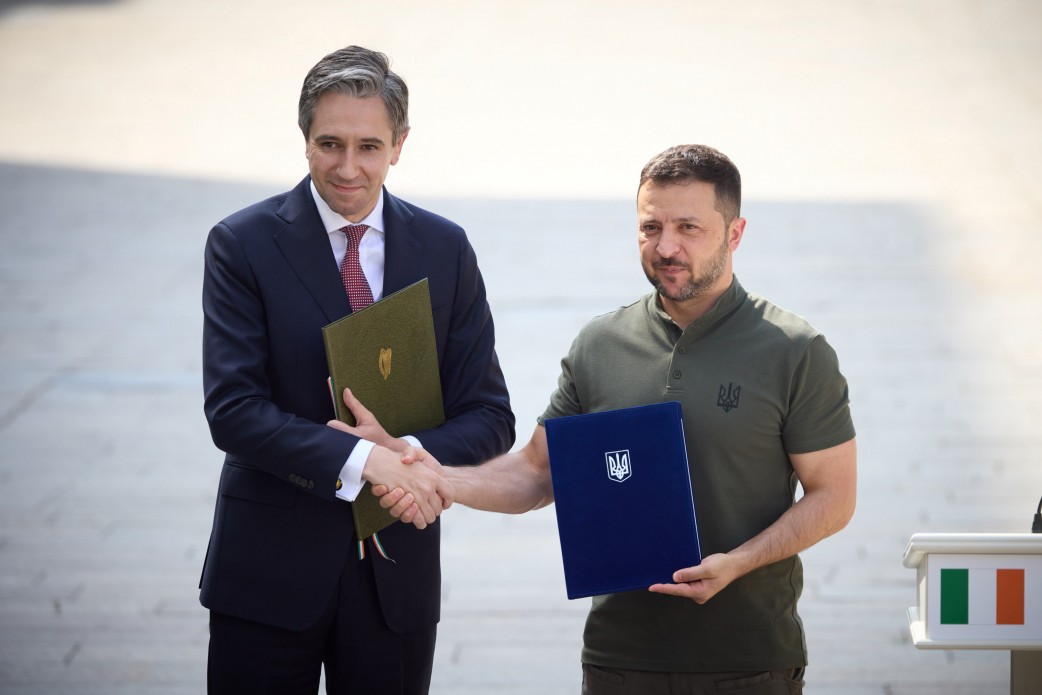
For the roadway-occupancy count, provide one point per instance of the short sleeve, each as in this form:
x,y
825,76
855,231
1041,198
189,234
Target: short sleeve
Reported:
x,y
819,403
565,398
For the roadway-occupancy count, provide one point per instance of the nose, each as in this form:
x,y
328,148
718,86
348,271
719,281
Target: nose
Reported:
x,y
347,167
668,244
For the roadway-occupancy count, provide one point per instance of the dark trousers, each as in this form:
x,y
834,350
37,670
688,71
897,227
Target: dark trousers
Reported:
x,y
613,681
361,655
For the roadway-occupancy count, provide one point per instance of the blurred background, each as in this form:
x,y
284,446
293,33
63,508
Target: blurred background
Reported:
x,y
891,153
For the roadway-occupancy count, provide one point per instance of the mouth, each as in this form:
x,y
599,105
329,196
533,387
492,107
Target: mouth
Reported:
x,y
670,267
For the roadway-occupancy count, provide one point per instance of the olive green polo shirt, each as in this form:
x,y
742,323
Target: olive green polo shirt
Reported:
x,y
755,383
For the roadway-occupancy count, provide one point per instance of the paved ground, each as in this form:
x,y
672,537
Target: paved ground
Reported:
x,y
891,153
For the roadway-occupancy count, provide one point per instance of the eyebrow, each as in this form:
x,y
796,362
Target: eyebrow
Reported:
x,y
333,138
647,220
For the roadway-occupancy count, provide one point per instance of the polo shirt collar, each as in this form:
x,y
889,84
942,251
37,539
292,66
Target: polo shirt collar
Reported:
x,y
731,299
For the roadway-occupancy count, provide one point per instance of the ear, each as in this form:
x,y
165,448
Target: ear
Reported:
x,y
398,147
735,232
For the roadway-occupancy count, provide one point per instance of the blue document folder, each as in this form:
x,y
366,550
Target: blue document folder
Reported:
x,y
622,489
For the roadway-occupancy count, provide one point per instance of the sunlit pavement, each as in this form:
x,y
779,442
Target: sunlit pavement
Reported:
x,y
891,158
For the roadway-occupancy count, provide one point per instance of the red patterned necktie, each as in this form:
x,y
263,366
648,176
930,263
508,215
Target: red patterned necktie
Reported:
x,y
358,292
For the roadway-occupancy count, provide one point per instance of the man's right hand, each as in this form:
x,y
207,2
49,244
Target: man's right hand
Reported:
x,y
418,494
401,504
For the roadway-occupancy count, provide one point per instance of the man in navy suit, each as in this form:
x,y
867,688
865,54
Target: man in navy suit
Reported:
x,y
289,589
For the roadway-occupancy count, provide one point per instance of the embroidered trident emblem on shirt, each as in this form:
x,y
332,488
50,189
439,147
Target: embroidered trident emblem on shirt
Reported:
x,y
385,362
728,398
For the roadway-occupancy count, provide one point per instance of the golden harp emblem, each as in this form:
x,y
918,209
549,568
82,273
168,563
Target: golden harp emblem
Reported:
x,y
385,362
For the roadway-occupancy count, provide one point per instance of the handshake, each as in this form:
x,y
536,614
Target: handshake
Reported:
x,y
415,494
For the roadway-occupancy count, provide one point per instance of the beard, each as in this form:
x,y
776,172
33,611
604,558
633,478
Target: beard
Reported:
x,y
703,278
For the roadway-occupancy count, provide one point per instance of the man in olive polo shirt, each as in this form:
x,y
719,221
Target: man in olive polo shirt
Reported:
x,y
765,406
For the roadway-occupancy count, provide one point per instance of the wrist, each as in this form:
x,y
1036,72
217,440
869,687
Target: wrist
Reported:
x,y
462,483
375,462
743,560
397,445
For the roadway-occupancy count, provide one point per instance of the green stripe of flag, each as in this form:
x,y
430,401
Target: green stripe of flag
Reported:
x,y
955,597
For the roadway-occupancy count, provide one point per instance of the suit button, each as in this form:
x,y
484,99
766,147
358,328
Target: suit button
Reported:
x,y
311,485
293,477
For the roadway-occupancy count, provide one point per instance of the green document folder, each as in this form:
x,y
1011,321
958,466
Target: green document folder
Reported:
x,y
387,356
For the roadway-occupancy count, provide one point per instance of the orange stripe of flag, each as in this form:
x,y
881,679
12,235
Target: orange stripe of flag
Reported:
x,y
1010,597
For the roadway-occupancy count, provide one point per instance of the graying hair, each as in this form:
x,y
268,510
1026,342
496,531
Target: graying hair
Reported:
x,y
356,72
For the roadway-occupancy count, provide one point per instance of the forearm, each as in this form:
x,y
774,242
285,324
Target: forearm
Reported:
x,y
829,480
513,483
816,516
471,436
245,423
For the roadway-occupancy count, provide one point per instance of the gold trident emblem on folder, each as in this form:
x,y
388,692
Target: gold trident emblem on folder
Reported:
x,y
385,362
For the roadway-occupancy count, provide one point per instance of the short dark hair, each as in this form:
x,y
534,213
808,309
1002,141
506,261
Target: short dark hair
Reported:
x,y
357,72
686,163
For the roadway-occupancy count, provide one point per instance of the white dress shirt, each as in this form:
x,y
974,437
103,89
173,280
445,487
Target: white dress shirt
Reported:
x,y
371,258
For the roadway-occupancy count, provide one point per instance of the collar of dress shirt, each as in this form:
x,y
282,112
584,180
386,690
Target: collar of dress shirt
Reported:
x,y
334,221
371,247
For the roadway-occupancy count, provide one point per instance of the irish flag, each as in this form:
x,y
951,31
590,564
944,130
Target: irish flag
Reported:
x,y
982,596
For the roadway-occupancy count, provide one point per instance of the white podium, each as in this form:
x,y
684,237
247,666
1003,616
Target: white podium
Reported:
x,y
981,591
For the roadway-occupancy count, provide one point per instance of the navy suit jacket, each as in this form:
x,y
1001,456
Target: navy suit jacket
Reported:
x,y
280,536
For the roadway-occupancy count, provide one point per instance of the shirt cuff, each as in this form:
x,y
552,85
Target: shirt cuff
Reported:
x,y
413,440
350,482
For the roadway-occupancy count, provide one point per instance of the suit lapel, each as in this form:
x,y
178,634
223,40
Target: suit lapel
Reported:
x,y
403,246
305,244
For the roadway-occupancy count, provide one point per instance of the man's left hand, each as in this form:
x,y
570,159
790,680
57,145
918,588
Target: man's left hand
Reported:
x,y
366,425
701,582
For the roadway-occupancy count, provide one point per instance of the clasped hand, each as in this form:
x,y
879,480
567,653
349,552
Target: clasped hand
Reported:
x,y
402,504
414,494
